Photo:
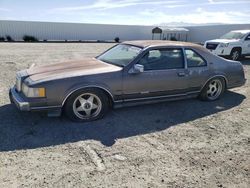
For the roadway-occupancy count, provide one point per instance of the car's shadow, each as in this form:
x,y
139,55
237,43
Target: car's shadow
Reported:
x,y
34,130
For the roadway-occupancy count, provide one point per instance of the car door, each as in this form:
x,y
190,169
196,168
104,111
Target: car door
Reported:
x,y
246,45
164,74
197,67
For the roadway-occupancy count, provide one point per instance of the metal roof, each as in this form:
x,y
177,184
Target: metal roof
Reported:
x,y
147,43
174,29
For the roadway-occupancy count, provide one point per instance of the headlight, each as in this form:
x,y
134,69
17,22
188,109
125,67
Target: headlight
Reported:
x,y
224,45
33,92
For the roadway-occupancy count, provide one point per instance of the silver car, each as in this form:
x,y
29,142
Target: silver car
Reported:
x,y
130,73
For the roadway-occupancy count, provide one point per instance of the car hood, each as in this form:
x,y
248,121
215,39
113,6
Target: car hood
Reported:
x,y
222,40
83,67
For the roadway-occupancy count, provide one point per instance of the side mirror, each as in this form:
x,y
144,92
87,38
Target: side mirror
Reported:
x,y
136,69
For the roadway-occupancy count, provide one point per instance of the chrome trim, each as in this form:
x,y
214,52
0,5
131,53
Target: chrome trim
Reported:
x,y
44,107
194,50
19,102
20,76
163,96
145,98
24,105
118,101
148,48
90,86
185,58
18,83
144,92
164,70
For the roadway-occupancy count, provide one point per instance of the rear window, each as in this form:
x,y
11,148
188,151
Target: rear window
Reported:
x,y
194,59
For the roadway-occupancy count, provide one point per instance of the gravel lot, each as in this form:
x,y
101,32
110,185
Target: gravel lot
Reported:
x,y
185,143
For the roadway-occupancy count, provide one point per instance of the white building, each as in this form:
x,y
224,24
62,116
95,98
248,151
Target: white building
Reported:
x,y
79,31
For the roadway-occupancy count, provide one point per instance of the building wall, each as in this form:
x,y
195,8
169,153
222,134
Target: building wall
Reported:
x,y
73,31
77,31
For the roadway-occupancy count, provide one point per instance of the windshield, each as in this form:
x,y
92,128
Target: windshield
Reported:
x,y
233,35
120,55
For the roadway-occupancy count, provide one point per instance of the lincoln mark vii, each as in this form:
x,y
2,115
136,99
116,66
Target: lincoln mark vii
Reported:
x,y
130,73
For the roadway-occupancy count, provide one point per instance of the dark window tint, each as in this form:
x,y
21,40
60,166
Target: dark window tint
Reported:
x,y
248,37
194,59
163,59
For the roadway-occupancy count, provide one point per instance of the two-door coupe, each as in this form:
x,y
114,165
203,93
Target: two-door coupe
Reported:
x,y
130,73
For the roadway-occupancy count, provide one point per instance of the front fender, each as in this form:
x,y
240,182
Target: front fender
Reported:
x,y
77,87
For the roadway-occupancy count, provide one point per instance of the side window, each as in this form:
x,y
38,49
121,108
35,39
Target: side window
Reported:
x,y
194,59
161,59
248,37
154,54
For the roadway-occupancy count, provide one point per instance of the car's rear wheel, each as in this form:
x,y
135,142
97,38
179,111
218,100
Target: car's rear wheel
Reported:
x,y
235,54
86,105
213,90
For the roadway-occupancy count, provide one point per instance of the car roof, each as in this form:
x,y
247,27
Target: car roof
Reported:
x,y
156,43
242,31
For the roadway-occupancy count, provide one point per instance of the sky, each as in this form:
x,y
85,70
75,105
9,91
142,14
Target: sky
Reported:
x,y
128,12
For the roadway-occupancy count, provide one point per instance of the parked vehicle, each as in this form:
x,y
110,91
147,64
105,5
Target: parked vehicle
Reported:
x,y
233,45
130,73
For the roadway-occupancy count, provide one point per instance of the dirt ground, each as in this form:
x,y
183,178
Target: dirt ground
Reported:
x,y
185,143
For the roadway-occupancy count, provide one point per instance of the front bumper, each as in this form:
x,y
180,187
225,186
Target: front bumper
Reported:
x,y
24,105
221,51
18,100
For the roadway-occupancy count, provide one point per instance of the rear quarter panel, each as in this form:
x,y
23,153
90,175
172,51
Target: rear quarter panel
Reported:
x,y
231,70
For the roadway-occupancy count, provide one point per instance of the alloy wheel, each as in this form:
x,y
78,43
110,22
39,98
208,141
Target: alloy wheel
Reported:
x,y
235,55
214,89
87,106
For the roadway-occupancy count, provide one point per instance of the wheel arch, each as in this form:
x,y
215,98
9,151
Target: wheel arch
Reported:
x,y
236,48
106,92
216,76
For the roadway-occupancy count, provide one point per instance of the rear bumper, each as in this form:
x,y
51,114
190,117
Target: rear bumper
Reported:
x,y
18,100
237,84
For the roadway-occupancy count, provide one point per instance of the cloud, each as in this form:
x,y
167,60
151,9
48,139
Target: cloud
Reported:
x,y
4,9
220,2
111,4
151,12
198,16
115,4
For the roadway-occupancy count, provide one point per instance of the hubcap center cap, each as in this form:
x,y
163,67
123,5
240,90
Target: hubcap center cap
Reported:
x,y
87,105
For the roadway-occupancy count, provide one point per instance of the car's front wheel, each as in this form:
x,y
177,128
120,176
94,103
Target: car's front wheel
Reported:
x,y
86,105
213,89
235,54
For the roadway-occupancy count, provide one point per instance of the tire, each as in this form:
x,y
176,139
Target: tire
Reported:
x,y
235,54
86,105
213,90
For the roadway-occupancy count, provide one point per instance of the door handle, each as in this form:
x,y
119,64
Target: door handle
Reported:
x,y
181,74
